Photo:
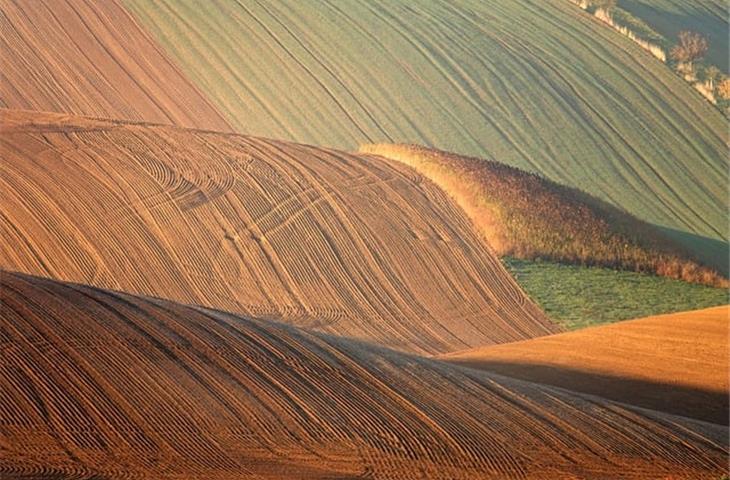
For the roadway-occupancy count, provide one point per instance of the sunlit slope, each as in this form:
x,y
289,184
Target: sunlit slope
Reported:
x,y
669,17
108,385
675,363
92,58
535,84
576,297
346,244
527,216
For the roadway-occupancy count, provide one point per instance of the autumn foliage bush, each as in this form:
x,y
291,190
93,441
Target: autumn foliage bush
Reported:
x,y
526,216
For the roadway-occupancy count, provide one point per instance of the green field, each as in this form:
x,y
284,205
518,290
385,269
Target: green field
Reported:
x,y
536,84
669,17
578,297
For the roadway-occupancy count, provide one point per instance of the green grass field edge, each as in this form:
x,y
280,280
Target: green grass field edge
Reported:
x,y
577,296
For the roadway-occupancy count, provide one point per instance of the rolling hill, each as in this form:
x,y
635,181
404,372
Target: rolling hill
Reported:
x,y
179,301
535,84
352,245
100,384
675,363
93,58
526,216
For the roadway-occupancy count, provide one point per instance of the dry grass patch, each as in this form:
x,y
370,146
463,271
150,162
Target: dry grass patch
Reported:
x,y
527,216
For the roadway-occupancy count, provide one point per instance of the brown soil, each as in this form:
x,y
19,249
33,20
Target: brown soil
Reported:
x,y
339,243
92,58
97,384
676,363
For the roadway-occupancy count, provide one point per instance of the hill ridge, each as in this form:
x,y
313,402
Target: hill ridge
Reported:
x,y
351,245
527,216
131,387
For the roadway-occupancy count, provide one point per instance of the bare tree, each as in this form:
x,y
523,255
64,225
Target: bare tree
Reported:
x,y
691,47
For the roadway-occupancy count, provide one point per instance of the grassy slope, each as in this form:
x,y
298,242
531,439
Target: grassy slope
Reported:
x,y
669,17
587,296
534,84
529,217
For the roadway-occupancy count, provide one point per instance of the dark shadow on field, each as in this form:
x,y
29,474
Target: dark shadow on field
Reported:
x,y
694,403
711,252
710,406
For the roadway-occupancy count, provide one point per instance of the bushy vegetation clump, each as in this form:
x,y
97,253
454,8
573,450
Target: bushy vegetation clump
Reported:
x,y
628,25
688,59
526,216
686,54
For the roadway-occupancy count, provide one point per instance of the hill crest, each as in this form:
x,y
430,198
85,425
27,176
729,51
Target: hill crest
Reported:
x,y
524,215
136,387
341,243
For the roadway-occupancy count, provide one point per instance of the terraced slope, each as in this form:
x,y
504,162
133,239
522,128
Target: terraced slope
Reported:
x,y
345,244
92,58
669,17
675,363
108,385
535,84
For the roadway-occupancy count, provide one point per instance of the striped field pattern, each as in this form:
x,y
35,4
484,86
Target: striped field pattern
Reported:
x,y
97,384
346,244
536,84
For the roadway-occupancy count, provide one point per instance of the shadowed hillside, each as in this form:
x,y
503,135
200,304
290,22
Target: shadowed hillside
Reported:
x,y
535,84
526,216
99,384
675,363
345,244
92,58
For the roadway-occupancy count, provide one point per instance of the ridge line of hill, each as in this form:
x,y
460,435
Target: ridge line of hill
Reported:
x,y
528,216
306,235
181,391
